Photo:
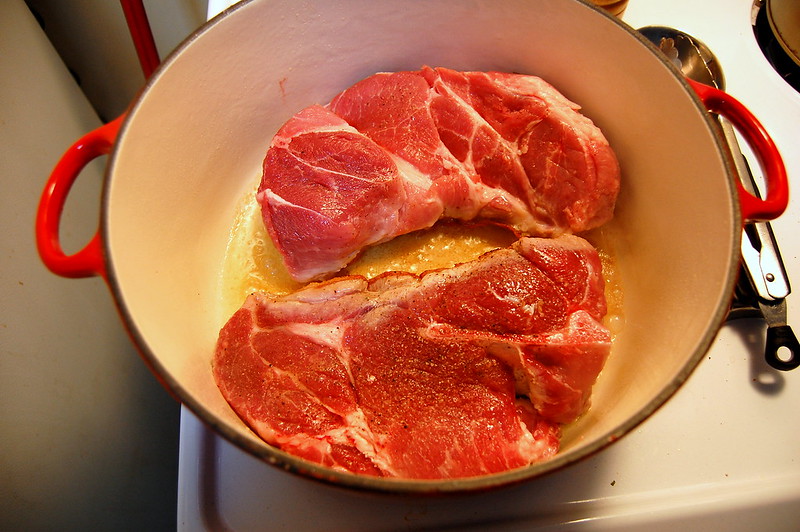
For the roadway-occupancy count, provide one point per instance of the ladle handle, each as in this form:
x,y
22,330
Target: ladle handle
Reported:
x,y
754,208
89,261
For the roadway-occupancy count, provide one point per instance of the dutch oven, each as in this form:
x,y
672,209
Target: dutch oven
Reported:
x,y
193,141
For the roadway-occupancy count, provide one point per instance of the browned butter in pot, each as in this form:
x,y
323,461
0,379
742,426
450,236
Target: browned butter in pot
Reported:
x,y
252,263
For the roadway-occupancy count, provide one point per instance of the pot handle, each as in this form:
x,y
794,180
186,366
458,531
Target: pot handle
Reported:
x,y
754,208
89,261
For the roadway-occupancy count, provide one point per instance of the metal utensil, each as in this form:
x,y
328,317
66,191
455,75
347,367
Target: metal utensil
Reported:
x,y
762,291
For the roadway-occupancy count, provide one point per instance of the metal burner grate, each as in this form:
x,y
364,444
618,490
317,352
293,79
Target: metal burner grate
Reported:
x,y
771,48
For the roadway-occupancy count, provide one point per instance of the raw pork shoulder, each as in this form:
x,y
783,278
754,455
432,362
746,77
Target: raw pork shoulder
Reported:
x,y
398,151
457,372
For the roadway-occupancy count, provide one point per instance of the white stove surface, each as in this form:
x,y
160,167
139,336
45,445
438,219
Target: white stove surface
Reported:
x,y
722,453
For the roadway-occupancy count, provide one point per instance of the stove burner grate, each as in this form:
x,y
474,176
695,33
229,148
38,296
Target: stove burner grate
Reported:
x,y
772,50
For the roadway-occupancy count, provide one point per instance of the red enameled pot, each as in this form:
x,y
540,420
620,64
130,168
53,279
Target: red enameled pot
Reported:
x,y
193,141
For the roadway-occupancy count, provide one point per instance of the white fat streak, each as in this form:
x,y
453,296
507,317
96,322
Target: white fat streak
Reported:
x,y
266,432
528,446
410,173
577,244
455,453
355,429
355,432
274,199
386,224
478,119
283,141
447,464
328,293
528,308
483,194
328,334
384,228
358,432
304,162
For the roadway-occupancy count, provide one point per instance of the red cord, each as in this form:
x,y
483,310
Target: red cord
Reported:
x,y
136,17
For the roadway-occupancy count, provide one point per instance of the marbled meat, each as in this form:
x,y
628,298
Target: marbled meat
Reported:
x,y
398,151
453,373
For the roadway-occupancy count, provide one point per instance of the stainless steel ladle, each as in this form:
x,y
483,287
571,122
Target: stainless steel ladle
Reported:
x,y
762,291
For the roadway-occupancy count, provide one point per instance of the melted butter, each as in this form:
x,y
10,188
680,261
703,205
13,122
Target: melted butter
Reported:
x,y
253,264
442,246
603,240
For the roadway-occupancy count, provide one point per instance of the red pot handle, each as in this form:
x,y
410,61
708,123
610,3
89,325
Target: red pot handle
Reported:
x,y
89,261
754,209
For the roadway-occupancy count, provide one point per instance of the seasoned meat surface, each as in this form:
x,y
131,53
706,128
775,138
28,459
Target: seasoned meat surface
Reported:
x,y
398,151
457,372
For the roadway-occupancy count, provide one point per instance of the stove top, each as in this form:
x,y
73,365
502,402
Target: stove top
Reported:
x,y
722,453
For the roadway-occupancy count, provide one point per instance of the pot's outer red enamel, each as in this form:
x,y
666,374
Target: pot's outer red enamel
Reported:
x,y
193,142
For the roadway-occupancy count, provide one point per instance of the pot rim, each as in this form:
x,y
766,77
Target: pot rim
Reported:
x,y
276,457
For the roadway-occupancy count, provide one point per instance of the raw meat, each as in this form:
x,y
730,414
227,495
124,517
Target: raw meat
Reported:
x,y
457,372
398,151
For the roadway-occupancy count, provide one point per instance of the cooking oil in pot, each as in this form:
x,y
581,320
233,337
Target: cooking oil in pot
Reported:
x,y
252,262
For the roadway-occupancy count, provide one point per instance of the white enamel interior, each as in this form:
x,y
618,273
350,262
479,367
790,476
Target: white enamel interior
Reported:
x,y
197,135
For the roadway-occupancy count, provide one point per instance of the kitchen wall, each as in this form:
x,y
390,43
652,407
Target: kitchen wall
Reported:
x,y
93,40
88,437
